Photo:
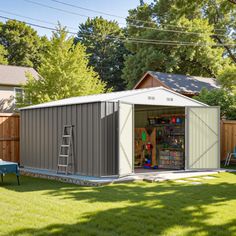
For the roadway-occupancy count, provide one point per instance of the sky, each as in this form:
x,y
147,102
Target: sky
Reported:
x,y
27,9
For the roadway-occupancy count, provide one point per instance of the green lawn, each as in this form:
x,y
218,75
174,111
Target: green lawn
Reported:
x,y
42,207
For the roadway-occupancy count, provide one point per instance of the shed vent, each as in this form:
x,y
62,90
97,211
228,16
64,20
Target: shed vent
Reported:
x,y
151,98
170,99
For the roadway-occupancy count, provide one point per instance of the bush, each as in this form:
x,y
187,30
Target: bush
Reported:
x,y
220,97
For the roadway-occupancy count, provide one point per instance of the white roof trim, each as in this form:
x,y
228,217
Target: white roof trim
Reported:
x,y
141,97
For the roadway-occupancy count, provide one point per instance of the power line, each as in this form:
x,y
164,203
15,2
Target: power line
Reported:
x,y
168,42
34,19
130,39
117,16
179,43
87,9
55,8
133,25
36,25
176,31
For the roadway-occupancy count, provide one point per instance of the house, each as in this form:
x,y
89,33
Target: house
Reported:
x,y
119,133
11,80
183,84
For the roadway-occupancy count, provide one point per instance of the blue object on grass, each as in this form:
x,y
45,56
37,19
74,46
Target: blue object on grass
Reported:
x,y
7,167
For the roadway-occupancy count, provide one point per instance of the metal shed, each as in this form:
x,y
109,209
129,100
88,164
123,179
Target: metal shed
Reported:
x,y
103,132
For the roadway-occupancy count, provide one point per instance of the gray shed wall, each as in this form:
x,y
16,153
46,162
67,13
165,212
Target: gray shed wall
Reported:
x,y
94,137
109,138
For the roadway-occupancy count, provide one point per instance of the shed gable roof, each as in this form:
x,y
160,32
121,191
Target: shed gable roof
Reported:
x,y
15,75
149,96
183,83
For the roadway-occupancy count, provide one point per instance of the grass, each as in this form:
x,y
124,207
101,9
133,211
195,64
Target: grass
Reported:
x,y
48,208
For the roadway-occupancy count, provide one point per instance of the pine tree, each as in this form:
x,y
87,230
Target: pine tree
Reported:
x,y
106,52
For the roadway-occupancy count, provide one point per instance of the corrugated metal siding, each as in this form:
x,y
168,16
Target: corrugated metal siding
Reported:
x,y
203,139
109,138
95,151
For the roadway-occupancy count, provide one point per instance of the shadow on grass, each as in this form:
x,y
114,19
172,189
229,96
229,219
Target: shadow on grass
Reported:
x,y
148,209
134,221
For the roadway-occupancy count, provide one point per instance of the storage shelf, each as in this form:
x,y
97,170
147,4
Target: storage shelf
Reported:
x,y
176,134
157,125
179,149
168,115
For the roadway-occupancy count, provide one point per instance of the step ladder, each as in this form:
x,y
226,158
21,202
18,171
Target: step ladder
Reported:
x,y
229,156
65,162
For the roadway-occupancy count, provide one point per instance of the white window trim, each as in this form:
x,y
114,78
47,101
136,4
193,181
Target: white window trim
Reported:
x,y
15,88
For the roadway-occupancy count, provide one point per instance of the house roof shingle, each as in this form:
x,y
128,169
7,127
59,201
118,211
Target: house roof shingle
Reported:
x,y
185,83
15,75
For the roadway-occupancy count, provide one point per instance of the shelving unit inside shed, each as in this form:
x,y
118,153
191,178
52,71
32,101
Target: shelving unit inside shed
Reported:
x,y
164,129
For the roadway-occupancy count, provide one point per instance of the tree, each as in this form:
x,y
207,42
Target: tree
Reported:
x,y
163,21
64,73
23,44
3,55
222,98
105,50
227,77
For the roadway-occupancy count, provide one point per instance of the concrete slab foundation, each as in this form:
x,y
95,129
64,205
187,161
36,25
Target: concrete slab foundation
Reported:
x,y
95,181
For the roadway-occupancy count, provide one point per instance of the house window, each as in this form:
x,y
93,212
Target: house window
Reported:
x,y
19,95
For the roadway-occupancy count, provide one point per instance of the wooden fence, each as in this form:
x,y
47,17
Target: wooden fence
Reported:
x,y
9,137
10,131
228,137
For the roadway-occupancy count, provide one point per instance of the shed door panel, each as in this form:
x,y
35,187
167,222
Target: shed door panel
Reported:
x,y
202,138
125,139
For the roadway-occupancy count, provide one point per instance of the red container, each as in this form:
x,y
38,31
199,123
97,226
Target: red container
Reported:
x,y
149,146
173,120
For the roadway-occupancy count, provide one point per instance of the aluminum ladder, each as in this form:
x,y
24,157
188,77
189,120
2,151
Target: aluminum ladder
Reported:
x,y
229,156
66,156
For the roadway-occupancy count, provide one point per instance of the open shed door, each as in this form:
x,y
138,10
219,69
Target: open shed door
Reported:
x,y
203,138
126,139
